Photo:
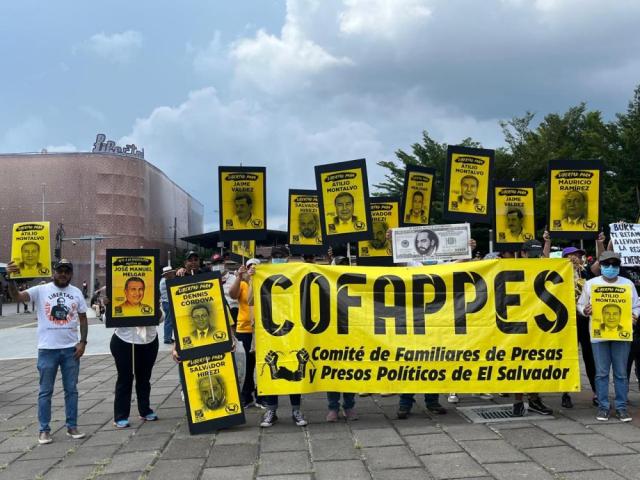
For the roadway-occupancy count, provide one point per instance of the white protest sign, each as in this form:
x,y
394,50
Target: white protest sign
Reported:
x,y
625,238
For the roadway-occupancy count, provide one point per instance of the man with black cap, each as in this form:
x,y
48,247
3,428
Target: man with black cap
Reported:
x,y
191,265
60,309
606,353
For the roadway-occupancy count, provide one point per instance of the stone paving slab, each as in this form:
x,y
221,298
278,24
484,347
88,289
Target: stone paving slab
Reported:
x,y
377,447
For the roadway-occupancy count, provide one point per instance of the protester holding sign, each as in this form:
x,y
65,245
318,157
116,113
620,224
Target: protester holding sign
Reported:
x,y
58,344
610,353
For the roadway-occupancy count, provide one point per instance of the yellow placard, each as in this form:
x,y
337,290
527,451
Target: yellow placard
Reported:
x,y
574,200
133,286
242,195
384,215
211,387
485,326
469,183
304,220
611,316
343,194
244,248
514,210
31,249
199,314
417,200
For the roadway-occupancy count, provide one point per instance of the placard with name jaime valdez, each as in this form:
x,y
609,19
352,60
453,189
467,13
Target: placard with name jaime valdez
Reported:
x,y
243,203
31,250
431,243
132,277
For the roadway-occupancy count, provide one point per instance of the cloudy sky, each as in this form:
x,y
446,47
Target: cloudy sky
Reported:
x,y
291,84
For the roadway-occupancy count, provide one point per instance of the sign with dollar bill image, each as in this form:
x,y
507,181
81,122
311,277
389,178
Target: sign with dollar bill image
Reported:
x,y
431,243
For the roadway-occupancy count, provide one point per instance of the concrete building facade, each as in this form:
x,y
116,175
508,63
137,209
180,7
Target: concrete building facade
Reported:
x,y
108,194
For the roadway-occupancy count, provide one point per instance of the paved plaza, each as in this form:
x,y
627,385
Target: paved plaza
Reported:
x,y
378,446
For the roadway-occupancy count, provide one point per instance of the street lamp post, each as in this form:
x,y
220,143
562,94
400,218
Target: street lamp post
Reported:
x,y
92,239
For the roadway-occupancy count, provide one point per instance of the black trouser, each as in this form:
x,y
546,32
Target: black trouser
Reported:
x,y
584,338
144,358
249,386
634,354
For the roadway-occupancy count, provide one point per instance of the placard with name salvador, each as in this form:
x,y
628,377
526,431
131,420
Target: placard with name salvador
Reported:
x,y
431,242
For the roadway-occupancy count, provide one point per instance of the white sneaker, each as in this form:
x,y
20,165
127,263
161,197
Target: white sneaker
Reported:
x,y
453,398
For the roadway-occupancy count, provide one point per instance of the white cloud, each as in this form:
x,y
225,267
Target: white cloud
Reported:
x,y
27,136
384,18
117,47
279,64
93,113
66,148
211,60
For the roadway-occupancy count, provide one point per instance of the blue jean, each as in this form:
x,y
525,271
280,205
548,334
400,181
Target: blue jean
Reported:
x,y
607,355
348,400
168,322
407,399
48,362
271,401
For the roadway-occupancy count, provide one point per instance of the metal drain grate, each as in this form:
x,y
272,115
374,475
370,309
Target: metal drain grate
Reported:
x,y
496,413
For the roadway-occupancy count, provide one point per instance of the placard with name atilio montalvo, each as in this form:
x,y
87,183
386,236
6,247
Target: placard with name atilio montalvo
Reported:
x,y
486,326
417,192
243,203
211,396
574,198
31,250
468,179
305,233
243,250
201,323
385,213
343,194
132,279
513,214
611,315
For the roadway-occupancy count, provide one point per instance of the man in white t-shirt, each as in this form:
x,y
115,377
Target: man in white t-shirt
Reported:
x,y
60,309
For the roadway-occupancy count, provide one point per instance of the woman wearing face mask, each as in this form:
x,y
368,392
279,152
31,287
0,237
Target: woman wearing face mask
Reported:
x,y
607,353
582,273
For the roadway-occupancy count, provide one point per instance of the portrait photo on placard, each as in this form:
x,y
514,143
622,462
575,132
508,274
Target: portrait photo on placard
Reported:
x,y
242,200
31,250
132,280
611,315
417,193
243,249
344,201
385,215
211,394
468,183
201,325
305,231
574,198
514,214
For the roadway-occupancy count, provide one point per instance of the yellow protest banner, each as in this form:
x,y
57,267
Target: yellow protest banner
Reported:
x,y
384,215
468,178
131,287
242,200
416,197
574,198
485,326
201,325
514,220
611,316
31,249
305,234
211,395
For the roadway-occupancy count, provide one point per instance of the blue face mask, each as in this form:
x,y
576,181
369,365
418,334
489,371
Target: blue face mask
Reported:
x,y
278,260
610,271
